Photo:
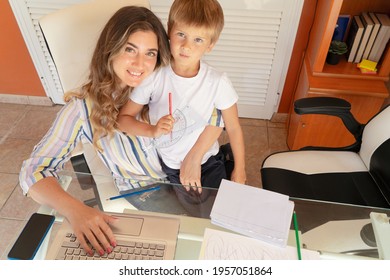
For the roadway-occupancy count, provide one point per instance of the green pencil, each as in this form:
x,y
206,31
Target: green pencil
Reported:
x,y
297,235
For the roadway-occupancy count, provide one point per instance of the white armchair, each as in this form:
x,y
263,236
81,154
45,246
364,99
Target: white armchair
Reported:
x,y
71,35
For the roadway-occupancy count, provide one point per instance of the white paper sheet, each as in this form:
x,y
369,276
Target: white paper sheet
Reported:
x,y
253,212
220,245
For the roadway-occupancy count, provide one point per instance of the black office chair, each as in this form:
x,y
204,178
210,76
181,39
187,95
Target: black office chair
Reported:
x,y
358,174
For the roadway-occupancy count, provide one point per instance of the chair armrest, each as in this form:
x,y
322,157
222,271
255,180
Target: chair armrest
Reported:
x,y
334,107
322,105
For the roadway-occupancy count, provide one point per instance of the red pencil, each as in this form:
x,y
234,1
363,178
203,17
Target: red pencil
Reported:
x,y
170,103
170,106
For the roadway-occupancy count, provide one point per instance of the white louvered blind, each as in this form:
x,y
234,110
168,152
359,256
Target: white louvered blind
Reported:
x,y
254,48
246,52
27,13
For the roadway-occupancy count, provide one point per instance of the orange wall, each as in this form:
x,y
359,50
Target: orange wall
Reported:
x,y
17,72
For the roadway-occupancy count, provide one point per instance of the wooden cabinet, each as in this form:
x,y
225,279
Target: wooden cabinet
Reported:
x,y
366,93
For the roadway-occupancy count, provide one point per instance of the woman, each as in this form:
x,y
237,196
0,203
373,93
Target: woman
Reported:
x,y
131,46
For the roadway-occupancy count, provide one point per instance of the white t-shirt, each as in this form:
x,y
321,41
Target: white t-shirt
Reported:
x,y
193,102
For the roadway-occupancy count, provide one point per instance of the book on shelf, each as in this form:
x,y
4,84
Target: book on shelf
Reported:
x,y
368,25
381,39
341,29
354,37
368,72
367,65
373,35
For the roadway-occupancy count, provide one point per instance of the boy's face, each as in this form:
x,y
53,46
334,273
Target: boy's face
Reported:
x,y
189,43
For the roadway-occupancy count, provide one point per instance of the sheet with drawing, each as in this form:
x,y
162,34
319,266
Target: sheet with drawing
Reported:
x,y
221,245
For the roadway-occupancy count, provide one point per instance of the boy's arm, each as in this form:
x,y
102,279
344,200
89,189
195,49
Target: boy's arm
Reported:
x,y
128,123
236,138
190,169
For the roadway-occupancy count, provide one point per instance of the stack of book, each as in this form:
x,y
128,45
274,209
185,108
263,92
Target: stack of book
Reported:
x,y
368,36
367,66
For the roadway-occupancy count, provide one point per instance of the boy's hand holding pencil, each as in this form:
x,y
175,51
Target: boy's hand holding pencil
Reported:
x,y
163,126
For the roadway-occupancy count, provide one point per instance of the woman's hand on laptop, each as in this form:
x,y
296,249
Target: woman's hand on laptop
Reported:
x,y
88,224
91,227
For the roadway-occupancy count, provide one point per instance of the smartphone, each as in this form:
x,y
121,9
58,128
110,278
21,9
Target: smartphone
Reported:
x,y
31,237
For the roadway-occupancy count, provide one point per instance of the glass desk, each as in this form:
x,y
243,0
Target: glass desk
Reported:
x,y
333,229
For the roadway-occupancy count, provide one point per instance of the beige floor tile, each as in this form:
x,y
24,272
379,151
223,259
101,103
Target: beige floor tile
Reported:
x,y
35,123
277,138
253,173
54,108
255,139
9,230
13,151
10,115
277,125
279,118
258,145
252,122
254,162
18,206
7,186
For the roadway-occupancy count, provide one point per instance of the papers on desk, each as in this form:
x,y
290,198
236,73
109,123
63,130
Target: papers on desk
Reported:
x,y
254,212
220,245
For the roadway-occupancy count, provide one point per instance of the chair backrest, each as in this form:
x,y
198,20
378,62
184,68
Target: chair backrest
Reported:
x,y
375,149
71,35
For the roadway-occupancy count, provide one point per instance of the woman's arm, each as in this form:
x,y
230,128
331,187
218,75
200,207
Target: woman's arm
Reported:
x,y
87,223
47,159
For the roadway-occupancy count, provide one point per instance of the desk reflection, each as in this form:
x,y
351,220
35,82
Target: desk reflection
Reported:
x,y
175,199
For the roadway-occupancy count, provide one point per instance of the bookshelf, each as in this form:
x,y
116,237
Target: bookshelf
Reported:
x,y
323,31
366,93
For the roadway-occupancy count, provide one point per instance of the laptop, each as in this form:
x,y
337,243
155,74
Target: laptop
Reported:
x,y
139,237
190,237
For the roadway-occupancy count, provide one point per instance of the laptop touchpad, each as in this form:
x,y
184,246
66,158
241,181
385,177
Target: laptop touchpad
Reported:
x,y
127,226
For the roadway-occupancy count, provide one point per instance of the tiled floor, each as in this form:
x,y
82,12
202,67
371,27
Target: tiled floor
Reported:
x,y
22,126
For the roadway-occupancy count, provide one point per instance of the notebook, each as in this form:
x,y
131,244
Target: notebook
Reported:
x,y
139,237
259,213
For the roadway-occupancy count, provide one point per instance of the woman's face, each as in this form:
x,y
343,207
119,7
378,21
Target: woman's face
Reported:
x,y
137,59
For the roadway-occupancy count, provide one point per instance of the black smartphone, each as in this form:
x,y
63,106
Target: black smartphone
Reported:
x,y
31,237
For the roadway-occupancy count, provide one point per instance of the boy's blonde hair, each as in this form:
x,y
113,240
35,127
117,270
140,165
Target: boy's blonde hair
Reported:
x,y
200,13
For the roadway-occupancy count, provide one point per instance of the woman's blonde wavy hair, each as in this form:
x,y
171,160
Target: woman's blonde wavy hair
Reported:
x,y
103,86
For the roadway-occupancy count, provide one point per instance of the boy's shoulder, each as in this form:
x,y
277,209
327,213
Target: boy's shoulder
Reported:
x,y
212,72
154,77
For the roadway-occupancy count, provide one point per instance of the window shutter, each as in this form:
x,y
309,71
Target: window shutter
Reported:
x,y
254,48
27,13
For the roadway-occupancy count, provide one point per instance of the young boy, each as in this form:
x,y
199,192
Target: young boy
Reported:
x,y
183,96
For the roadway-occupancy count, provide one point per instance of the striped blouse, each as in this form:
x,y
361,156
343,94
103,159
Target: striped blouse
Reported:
x,y
129,158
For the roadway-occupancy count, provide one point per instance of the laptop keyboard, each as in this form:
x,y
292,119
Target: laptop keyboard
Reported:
x,y
125,250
